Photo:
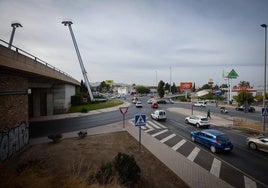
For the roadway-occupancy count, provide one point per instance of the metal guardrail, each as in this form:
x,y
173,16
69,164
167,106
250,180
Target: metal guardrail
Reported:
x,y
18,50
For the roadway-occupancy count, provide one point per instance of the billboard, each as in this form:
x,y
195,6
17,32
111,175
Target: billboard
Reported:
x,y
109,82
186,86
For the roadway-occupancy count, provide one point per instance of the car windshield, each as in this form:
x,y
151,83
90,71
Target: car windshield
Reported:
x,y
223,138
204,119
161,113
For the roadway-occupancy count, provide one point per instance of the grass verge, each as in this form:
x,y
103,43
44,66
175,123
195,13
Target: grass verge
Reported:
x,y
95,106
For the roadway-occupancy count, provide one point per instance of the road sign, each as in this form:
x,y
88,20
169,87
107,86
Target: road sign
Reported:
x,y
123,110
140,120
264,111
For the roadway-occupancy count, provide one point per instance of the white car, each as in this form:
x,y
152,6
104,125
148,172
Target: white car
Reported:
x,y
150,101
159,115
138,104
197,120
201,103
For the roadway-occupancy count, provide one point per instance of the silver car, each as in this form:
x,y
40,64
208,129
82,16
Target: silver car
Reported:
x,y
258,143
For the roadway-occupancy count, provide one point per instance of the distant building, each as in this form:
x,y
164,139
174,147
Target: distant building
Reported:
x,y
250,89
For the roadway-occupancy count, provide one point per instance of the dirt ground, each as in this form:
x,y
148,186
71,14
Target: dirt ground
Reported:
x,y
71,163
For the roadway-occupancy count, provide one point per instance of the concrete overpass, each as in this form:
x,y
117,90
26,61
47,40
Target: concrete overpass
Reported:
x,y
30,87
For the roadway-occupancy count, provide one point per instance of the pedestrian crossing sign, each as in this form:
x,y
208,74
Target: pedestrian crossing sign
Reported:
x,y
140,120
264,111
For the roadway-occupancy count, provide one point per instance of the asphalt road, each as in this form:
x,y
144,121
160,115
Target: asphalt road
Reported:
x,y
253,163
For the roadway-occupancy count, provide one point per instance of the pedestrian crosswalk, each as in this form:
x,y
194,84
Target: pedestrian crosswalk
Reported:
x,y
193,153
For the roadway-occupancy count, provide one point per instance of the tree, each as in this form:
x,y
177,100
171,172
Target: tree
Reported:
x,y
167,87
160,89
104,87
174,88
83,89
193,88
244,84
244,97
142,89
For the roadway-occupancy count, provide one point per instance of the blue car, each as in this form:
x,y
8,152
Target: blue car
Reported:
x,y
214,139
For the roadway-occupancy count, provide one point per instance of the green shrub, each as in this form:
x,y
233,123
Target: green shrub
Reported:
x,y
82,134
84,110
127,169
55,137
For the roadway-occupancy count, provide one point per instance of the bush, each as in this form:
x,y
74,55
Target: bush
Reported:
x,y
84,110
55,137
123,166
127,169
82,134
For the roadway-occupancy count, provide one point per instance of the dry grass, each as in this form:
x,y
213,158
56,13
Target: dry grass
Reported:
x,y
72,163
253,127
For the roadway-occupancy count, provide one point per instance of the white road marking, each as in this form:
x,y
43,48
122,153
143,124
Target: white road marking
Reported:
x,y
249,183
154,125
178,145
161,132
160,125
216,167
148,130
193,154
149,127
167,138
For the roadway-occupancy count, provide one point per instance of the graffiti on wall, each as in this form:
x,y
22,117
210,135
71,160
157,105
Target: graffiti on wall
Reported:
x,y
12,140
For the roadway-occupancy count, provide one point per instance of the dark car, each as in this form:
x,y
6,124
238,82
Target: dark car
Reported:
x,y
162,102
245,109
214,139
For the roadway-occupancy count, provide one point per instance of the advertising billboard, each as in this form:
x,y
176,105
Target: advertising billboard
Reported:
x,y
186,86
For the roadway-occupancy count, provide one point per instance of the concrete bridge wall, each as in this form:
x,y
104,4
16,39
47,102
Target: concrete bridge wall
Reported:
x,y
29,87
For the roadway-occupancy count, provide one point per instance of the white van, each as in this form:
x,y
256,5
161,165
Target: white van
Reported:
x,y
200,103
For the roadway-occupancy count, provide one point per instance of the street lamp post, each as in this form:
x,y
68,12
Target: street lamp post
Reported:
x,y
14,25
69,23
264,88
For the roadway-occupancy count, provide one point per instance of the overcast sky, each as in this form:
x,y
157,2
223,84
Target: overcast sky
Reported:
x,y
144,41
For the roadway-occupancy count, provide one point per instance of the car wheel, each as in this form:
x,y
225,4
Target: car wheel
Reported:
x,y
187,121
197,125
252,145
193,138
213,149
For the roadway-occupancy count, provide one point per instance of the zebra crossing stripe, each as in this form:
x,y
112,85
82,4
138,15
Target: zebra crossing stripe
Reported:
x,y
167,138
149,126
161,132
249,183
154,125
160,125
148,130
178,145
216,167
193,154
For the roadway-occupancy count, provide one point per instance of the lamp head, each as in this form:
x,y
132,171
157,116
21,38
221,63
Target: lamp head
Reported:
x,y
264,25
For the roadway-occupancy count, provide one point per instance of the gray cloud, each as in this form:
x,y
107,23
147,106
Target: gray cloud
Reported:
x,y
129,41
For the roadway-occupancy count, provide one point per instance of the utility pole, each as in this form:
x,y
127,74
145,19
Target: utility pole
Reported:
x,y
170,74
14,25
69,23
264,87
